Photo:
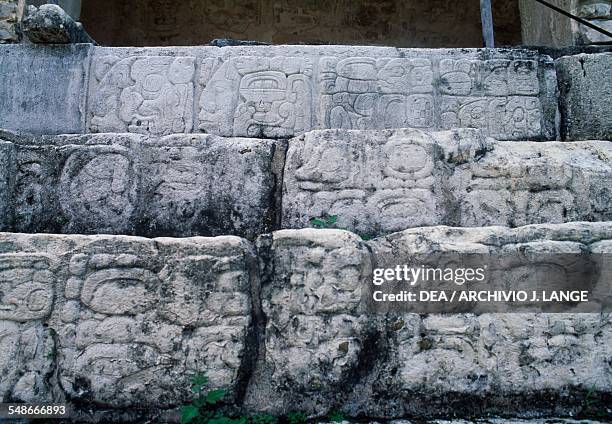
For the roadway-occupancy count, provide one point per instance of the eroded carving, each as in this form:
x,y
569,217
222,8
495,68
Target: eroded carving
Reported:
x,y
98,188
27,284
135,322
142,94
256,96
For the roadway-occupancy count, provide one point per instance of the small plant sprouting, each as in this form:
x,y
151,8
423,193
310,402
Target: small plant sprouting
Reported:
x,y
336,416
324,221
204,408
296,418
263,418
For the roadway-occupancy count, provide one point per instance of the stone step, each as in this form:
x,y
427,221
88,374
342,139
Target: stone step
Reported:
x,y
370,182
278,91
281,325
179,185
379,182
283,91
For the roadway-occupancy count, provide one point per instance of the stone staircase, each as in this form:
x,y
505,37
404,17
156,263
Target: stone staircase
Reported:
x,y
158,206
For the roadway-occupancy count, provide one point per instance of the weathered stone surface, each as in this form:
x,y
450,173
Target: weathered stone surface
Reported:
x,y
49,24
41,88
6,159
383,181
179,185
495,353
314,323
123,321
11,12
586,90
280,91
323,352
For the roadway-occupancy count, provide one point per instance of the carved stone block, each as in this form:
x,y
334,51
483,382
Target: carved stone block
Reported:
x,y
208,185
378,182
132,318
488,354
141,94
314,324
178,185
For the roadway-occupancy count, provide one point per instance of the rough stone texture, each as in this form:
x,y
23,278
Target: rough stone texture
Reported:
x,y
11,12
598,12
179,185
378,182
542,26
49,24
495,354
311,304
281,91
41,88
121,329
321,352
585,96
6,159
406,23
123,322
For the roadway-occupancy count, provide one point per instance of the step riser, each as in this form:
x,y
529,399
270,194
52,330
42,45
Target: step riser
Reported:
x,y
374,182
127,184
377,183
278,91
176,306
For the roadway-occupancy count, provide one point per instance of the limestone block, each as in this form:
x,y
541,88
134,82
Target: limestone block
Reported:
x,y
42,88
378,182
314,323
584,82
600,10
27,348
132,318
323,349
495,353
50,24
130,184
282,91
207,185
590,36
141,94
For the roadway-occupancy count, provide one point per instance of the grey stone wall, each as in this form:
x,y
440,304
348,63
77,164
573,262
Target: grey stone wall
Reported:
x,y
598,12
405,23
373,182
384,181
177,185
542,26
282,91
122,322
585,97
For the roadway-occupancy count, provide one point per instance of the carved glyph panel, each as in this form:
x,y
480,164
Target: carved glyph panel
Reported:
x,y
98,188
378,182
312,307
254,96
142,94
